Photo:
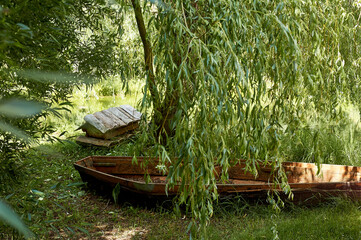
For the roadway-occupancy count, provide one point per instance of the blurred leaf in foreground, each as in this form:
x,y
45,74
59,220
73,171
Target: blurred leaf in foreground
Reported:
x,y
18,133
11,218
54,76
18,108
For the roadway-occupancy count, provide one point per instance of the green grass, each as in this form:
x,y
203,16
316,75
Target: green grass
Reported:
x,y
334,220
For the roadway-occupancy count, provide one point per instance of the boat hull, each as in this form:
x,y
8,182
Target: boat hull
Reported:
x,y
106,172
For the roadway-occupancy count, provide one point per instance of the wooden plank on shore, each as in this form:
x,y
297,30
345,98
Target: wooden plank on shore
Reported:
x,y
120,115
89,141
126,116
95,122
137,115
111,122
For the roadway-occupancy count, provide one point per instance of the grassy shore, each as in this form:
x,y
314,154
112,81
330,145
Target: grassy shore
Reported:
x,y
55,204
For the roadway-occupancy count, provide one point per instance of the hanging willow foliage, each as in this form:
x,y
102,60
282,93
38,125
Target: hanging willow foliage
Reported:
x,y
227,79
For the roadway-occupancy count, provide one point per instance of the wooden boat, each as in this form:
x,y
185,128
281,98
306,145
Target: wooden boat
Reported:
x,y
332,180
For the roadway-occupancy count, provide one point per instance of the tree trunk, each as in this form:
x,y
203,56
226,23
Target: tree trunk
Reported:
x,y
148,54
164,109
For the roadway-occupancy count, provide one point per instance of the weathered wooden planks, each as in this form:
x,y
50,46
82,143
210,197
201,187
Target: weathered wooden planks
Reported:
x,y
111,122
89,141
102,127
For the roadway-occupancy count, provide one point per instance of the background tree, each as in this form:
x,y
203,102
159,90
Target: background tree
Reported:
x,y
44,47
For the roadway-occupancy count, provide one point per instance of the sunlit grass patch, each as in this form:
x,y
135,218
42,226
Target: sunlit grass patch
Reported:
x,y
339,219
325,139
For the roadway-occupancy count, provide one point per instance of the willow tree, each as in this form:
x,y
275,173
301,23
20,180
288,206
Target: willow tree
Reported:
x,y
228,79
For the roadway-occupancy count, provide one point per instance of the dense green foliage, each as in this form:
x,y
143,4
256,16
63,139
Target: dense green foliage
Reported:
x,y
232,79
41,42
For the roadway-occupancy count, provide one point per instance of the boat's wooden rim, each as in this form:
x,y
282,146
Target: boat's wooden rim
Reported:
x,y
288,164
